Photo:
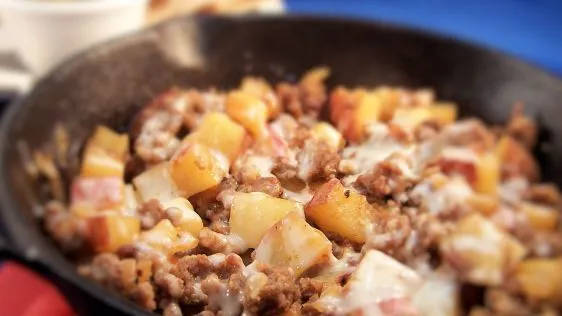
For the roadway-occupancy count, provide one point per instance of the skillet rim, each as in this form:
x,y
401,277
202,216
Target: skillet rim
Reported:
x,y
8,206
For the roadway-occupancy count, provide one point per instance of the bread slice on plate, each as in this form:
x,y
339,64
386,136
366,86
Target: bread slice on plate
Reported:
x,y
163,9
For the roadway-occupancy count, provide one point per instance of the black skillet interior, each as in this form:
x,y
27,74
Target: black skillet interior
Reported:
x,y
109,83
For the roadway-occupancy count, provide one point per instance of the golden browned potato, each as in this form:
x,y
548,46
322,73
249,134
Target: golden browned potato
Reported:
x,y
106,233
540,279
97,162
482,203
352,111
196,168
441,113
252,214
261,89
293,243
115,144
249,111
487,174
541,217
338,210
218,131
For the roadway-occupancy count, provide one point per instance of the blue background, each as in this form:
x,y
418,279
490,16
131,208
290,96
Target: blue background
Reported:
x,y
530,29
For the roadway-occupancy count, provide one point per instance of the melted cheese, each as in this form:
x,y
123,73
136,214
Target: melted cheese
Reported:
x,y
378,278
449,196
263,165
378,147
438,296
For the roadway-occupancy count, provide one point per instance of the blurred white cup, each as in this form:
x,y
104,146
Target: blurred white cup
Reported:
x,y
45,32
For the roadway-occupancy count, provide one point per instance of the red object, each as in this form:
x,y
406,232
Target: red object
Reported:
x,y
24,293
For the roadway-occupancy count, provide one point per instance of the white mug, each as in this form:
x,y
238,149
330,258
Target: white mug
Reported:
x,y
44,33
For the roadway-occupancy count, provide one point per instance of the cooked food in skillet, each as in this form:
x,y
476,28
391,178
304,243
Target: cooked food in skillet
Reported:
x,y
246,202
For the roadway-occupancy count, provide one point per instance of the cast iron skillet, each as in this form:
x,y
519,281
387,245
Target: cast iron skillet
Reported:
x,y
109,83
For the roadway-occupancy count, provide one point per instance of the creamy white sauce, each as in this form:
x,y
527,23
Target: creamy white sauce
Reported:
x,y
511,191
378,278
438,296
451,195
304,196
263,165
459,153
222,161
380,145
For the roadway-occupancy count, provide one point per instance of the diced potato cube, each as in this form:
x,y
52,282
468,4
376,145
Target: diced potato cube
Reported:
x,y
218,131
484,204
368,110
106,233
183,216
156,183
352,111
261,89
248,110
440,113
481,251
411,117
97,193
368,286
516,159
295,244
443,113
342,101
161,236
337,210
540,279
115,144
487,174
541,217
390,99
315,75
97,162
252,214
329,135
196,168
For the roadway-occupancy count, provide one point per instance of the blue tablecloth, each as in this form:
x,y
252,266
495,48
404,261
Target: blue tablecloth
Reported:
x,y
530,29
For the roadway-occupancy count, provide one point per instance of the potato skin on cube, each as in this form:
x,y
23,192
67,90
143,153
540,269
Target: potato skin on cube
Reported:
x,y
97,193
337,210
106,233
541,217
252,214
195,168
